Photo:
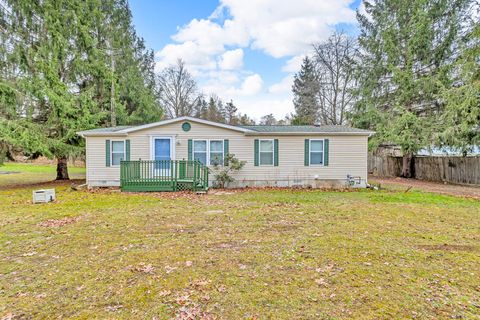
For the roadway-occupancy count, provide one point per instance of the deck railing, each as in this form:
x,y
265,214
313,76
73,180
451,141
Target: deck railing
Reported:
x,y
163,175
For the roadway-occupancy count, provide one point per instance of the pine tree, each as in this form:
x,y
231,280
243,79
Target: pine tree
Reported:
x,y
215,110
200,108
231,113
245,120
63,67
461,117
268,120
305,94
407,47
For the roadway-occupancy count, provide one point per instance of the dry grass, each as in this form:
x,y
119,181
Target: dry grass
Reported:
x,y
260,254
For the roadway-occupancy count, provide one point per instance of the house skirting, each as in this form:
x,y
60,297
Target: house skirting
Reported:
x,y
244,183
310,183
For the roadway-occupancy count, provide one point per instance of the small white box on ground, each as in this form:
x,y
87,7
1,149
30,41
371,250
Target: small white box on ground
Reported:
x,y
43,196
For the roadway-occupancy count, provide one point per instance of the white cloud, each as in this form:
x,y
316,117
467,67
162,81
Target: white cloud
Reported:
x,y
279,28
284,27
283,86
225,85
293,64
251,85
258,106
231,60
214,48
196,57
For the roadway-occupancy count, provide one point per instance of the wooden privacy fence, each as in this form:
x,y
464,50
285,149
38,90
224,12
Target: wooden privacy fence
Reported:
x,y
453,169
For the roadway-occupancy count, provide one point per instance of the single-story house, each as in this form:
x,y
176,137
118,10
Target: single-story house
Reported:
x,y
170,154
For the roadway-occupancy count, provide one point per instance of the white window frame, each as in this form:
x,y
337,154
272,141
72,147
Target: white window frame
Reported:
x,y
260,152
310,153
208,149
152,146
111,152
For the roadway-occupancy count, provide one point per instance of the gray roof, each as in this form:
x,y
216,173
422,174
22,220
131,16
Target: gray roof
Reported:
x,y
247,130
304,129
108,129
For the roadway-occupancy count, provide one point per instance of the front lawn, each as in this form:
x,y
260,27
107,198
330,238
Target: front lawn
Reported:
x,y
279,254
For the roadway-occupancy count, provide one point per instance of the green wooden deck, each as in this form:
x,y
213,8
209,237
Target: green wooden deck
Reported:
x,y
163,175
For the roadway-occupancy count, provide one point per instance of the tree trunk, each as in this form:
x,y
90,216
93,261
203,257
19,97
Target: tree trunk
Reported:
x,y
408,166
62,168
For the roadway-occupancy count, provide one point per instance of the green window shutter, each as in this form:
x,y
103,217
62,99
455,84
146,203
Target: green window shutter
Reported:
x,y
256,152
275,152
225,151
107,153
190,149
127,150
307,153
325,152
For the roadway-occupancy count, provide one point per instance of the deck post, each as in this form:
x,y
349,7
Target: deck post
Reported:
x,y
194,186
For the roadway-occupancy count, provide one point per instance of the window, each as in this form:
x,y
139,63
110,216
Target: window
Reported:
x,y
118,152
200,151
216,152
316,152
266,152
209,152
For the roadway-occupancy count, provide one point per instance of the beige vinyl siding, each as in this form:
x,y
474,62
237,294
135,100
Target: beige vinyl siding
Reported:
x,y
98,174
347,154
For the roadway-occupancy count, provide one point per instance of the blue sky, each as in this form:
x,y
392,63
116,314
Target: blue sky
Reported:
x,y
246,51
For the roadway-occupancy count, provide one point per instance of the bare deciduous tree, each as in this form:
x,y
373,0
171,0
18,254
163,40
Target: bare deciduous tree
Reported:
x,y
334,61
177,90
268,120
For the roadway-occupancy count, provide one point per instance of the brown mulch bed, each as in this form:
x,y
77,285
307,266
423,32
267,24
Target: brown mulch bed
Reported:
x,y
436,187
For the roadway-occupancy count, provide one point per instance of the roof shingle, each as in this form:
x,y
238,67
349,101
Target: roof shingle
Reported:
x,y
304,129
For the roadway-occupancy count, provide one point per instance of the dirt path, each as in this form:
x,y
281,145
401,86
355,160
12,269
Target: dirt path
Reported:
x,y
43,184
450,189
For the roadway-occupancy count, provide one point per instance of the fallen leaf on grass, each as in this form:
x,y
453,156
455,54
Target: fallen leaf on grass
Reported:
x,y
199,284
114,308
145,268
182,300
8,316
164,293
55,223
192,313
321,282
169,269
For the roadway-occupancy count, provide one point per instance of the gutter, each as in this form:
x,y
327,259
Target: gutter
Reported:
x,y
84,134
309,133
